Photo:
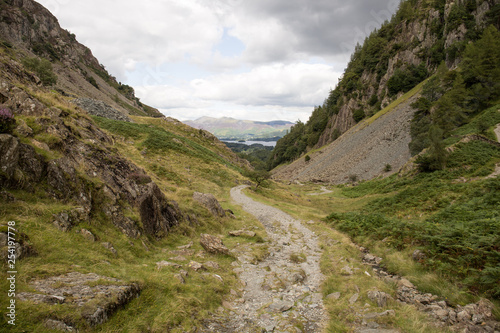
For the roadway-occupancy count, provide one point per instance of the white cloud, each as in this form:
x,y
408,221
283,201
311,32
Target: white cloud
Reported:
x,y
247,59
296,85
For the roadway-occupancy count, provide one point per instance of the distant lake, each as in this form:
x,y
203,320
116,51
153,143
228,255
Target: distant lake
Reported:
x,y
249,143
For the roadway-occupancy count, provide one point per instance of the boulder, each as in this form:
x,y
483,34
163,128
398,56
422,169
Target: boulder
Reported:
x,y
196,266
158,215
209,202
88,235
163,263
240,233
213,244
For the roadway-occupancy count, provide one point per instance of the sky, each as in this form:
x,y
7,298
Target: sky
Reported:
x,y
246,59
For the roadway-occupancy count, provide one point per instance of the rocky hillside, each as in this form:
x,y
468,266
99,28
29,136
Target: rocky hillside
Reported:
x,y
391,61
91,183
28,31
375,147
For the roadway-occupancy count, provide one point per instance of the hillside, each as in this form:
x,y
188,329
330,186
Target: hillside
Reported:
x,y
30,31
234,129
374,147
392,60
91,184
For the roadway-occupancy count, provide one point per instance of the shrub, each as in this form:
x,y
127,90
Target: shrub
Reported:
x,y
388,168
7,121
307,158
42,68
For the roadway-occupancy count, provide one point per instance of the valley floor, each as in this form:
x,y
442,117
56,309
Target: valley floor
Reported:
x,y
307,277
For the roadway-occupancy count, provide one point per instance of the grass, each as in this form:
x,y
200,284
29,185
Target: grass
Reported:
x,y
188,162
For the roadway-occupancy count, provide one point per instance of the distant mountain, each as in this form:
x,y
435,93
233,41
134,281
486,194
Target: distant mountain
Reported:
x,y
230,128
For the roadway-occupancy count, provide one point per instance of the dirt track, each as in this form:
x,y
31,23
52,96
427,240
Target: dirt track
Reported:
x,y
280,293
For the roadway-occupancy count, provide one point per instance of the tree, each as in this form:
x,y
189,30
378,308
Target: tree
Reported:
x,y
259,177
437,156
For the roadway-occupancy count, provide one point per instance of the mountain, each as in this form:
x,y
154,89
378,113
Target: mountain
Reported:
x,y
421,36
234,129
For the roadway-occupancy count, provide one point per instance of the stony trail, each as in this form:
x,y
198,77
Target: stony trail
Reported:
x,y
280,293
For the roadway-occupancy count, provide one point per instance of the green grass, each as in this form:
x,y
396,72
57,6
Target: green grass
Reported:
x,y
456,223
159,140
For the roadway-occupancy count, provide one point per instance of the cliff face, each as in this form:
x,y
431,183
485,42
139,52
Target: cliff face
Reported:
x,y
391,61
31,30
425,37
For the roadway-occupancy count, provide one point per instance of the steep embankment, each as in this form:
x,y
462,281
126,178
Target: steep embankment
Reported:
x,y
376,146
392,60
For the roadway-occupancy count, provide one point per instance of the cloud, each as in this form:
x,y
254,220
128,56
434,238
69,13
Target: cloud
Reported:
x,y
282,30
296,85
255,59
122,33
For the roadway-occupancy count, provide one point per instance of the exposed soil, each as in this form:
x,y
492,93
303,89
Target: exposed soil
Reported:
x,y
281,292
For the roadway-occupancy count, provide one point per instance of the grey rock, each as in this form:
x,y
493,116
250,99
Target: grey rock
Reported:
x,y
334,296
346,270
57,325
100,109
211,265
379,297
239,233
196,266
213,244
209,202
418,255
158,215
110,247
88,235
80,293
163,263
281,306
353,298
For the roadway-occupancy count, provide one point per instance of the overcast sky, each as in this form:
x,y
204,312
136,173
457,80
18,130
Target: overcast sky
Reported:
x,y
246,59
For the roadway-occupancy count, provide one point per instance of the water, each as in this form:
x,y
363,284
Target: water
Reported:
x,y
249,143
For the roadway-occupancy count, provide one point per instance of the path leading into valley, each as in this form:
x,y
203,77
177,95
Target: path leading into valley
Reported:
x,y
280,293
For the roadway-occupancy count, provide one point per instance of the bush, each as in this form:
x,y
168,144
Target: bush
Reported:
x,y
7,121
43,69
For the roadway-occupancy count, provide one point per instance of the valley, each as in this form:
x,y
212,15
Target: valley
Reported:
x,y
378,215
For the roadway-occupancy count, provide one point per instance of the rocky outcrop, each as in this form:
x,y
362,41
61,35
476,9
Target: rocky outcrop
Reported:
x,y
209,202
158,215
20,164
477,317
95,297
87,171
100,109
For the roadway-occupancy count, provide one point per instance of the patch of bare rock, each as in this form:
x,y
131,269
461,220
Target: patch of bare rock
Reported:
x,y
95,297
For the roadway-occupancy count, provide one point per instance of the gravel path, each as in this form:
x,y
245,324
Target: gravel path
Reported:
x,y
282,292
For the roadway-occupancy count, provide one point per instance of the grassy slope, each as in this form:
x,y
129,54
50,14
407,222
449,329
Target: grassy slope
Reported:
x,y
180,160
